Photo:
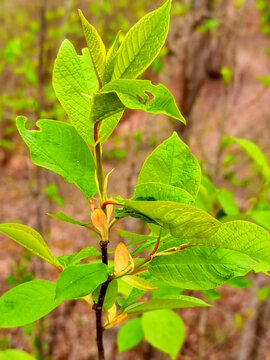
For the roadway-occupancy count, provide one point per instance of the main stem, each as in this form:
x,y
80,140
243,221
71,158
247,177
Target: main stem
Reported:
x,y
98,307
104,250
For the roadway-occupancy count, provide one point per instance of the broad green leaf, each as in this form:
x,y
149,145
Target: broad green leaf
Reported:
x,y
134,94
12,354
61,216
107,127
242,236
95,46
27,303
110,59
77,257
182,220
262,218
110,297
255,153
171,163
142,44
130,335
158,191
168,302
139,283
30,239
105,106
227,202
164,330
199,267
74,76
58,147
80,280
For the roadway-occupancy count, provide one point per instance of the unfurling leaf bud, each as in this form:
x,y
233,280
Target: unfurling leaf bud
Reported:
x,y
99,220
121,258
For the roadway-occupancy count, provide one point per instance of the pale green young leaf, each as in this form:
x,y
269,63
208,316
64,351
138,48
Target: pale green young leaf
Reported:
x,y
198,268
138,283
13,354
95,46
110,59
182,220
158,191
80,280
227,202
164,330
130,335
58,147
168,302
142,44
134,94
171,163
27,303
30,239
74,76
61,216
110,296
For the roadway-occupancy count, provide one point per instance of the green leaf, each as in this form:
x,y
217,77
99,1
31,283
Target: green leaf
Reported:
x,y
134,94
169,302
212,295
135,238
157,191
58,147
130,335
107,127
95,46
80,280
254,152
110,296
199,268
262,218
30,239
134,295
61,216
138,283
12,354
164,330
110,59
226,74
239,282
77,257
142,44
227,202
27,303
182,220
171,163
263,293
242,236
74,76
105,106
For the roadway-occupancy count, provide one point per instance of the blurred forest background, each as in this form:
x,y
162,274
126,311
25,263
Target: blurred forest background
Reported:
x,y
216,62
